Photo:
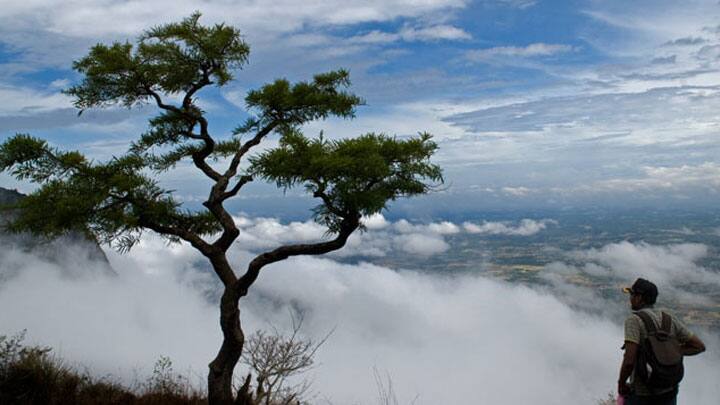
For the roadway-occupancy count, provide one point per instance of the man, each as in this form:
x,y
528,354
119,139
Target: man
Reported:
x,y
643,295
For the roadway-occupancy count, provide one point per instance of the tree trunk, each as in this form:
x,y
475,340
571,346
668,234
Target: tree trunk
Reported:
x,y
220,377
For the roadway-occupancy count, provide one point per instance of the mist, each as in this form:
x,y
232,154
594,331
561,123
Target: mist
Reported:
x,y
442,339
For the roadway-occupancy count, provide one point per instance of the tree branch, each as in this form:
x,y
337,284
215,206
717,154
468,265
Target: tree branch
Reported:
x,y
348,226
218,194
158,100
232,169
320,193
195,240
192,135
233,191
187,100
200,156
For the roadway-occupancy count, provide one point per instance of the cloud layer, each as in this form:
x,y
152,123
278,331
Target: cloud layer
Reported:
x,y
381,236
442,339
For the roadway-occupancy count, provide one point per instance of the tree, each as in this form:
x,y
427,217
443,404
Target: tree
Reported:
x,y
276,357
118,200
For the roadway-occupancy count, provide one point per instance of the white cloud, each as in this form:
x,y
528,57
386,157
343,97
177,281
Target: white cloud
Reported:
x,y
235,96
376,37
423,245
60,84
381,237
264,233
682,282
440,228
526,227
521,4
444,228
90,19
668,266
709,52
685,109
516,191
112,324
436,32
664,139
21,100
533,50
402,119
705,175
418,327
411,34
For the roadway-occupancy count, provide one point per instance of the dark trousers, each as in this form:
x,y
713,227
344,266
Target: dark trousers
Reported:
x,y
669,398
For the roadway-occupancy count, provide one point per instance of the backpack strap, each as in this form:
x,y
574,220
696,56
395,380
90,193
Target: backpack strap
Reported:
x,y
648,321
666,323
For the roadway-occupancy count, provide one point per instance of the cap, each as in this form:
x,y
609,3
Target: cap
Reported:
x,y
643,287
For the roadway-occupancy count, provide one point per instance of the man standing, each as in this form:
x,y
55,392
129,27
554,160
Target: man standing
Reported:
x,y
643,295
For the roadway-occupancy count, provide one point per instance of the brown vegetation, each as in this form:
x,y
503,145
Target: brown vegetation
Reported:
x,y
31,375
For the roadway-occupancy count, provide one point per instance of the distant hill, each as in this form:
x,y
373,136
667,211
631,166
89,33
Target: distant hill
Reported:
x,y
9,196
74,252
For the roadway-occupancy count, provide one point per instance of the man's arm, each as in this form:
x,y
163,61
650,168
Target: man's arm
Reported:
x,y
626,369
692,346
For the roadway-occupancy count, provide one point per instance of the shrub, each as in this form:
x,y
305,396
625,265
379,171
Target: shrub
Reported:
x,y
30,375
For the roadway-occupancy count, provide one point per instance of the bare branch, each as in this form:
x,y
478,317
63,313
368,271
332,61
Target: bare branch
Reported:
x,y
200,156
195,240
327,201
232,169
347,226
192,135
187,100
275,357
233,191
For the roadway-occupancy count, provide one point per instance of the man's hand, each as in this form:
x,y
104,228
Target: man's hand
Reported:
x,y
623,388
628,364
693,346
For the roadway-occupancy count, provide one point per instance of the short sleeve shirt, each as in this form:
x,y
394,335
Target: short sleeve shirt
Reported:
x,y
636,332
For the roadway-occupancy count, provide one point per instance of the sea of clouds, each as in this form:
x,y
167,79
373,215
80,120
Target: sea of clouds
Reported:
x,y
442,339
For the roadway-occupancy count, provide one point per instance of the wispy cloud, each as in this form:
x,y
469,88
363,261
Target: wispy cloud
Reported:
x,y
686,41
706,175
526,227
533,50
411,34
521,4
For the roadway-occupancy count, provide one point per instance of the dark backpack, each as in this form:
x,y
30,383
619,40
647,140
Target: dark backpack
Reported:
x,y
660,359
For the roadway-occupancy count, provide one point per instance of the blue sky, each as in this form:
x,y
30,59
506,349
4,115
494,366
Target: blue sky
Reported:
x,y
535,104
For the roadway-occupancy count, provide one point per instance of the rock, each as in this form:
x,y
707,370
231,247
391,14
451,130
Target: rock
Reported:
x,y
74,252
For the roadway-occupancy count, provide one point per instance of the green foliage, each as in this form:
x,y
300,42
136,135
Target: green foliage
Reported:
x,y
171,58
32,158
302,102
167,128
118,199
351,176
112,200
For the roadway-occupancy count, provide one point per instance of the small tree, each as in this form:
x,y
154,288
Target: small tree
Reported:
x,y
275,358
119,199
